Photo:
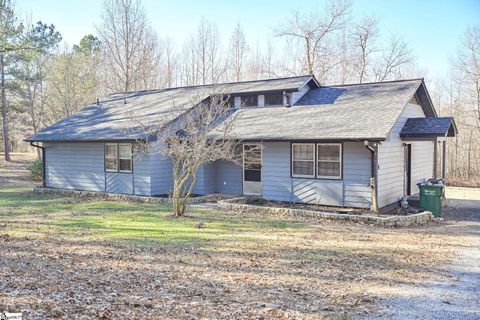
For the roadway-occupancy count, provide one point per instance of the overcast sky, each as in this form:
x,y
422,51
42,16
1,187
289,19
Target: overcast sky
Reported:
x,y
431,27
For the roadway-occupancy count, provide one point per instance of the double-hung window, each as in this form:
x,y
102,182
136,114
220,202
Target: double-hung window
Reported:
x,y
111,157
303,160
118,157
317,160
329,160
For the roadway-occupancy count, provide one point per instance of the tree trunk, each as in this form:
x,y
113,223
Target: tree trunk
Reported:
x,y
4,110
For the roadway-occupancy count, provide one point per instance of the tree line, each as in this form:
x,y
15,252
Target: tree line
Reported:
x,y
43,81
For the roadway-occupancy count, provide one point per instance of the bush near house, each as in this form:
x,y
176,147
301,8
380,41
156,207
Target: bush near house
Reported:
x,y
36,170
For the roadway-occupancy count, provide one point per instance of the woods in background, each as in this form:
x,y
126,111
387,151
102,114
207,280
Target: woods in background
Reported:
x,y
45,82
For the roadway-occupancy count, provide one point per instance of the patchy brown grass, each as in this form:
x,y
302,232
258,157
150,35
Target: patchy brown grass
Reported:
x,y
66,263
72,258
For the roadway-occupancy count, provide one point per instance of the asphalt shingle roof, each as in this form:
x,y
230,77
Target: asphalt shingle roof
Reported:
x,y
429,127
114,120
350,112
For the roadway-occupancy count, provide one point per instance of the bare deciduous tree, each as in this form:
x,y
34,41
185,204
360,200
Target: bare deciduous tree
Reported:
x,y
130,46
238,52
364,34
188,144
469,65
312,32
395,56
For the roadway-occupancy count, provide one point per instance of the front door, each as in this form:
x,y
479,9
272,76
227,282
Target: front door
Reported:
x,y
252,169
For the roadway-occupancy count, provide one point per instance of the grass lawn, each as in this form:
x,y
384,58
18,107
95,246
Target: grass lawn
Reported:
x,y
78,258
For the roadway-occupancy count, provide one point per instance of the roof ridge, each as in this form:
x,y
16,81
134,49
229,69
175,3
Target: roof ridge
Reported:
x,y
209,85
373,82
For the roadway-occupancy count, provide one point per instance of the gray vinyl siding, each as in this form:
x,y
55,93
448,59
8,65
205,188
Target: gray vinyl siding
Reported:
x,y
228,177
278,185
206,183
161,175
75,165
422,162
391,160
356,175
119,182
141,174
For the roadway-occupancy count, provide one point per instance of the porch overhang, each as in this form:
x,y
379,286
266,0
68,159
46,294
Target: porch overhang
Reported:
x,y
430,128
435,129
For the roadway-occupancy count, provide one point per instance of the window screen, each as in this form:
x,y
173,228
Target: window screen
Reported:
x,y
111,159
118,157
329,160
303,160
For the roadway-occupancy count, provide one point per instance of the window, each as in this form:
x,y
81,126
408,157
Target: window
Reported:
x,y
125,157
252,162
249,101
118,157
111,161
324,162
274,99
329,160
303,160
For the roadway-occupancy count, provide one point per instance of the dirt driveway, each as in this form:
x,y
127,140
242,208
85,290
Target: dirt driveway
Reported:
x,y
457,296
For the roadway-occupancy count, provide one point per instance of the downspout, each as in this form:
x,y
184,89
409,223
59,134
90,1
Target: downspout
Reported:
x,y
43,162
373,177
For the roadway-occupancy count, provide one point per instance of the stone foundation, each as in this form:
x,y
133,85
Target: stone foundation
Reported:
x,y
112,196
390,221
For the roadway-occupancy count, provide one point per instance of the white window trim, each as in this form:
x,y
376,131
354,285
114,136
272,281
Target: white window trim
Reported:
x,y
340,161
116,157
131,157
313,160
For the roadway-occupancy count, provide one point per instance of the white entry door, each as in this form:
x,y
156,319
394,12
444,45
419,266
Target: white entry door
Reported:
x,y
252,169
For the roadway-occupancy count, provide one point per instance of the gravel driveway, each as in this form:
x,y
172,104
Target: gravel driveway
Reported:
x,y
458,297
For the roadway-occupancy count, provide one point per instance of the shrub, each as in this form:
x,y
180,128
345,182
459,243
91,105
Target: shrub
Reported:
x,y
36,170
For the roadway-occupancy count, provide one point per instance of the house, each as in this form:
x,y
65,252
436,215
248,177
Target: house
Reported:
x,y
326,145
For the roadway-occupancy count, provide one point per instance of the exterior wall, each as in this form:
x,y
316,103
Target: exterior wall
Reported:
x,y
228,177
119,182
80,166
206,183
160,175
298,94
357,169
75,165
422,163
353,190
141,174
391,160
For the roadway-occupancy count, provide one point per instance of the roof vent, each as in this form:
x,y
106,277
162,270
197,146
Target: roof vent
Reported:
x,y
124,100
98,102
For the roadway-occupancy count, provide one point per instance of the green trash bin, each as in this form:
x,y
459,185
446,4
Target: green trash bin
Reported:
x,y
431,198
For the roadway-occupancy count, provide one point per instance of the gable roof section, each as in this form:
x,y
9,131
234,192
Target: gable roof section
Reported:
x,y
429,128
115,120
344,112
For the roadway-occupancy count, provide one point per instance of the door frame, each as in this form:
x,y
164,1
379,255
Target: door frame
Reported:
x,y
408,169
261,170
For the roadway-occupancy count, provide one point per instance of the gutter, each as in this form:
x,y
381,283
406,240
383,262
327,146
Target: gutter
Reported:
x,y
373,178
43,162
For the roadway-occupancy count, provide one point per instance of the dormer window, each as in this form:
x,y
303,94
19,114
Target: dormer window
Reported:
x,y
249,101
274,99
